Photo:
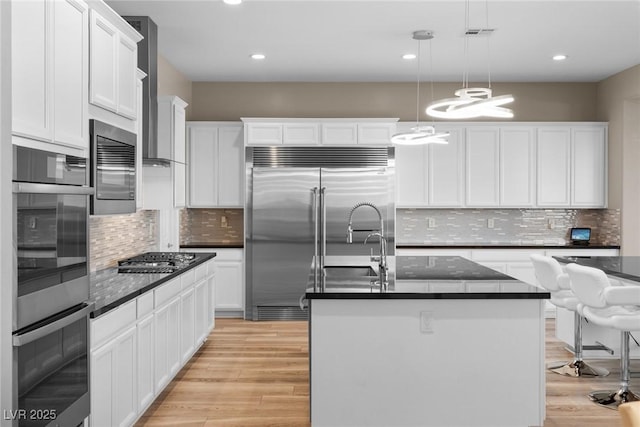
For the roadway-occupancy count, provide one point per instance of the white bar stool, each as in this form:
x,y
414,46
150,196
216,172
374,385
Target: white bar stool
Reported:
x,y
611,306
551,277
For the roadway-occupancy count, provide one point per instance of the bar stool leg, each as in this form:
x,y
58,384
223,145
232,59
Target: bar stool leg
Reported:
x,y
612,399
578,368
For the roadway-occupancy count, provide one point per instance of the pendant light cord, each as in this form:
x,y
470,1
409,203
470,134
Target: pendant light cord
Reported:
x,y
486,3
465,70
418,88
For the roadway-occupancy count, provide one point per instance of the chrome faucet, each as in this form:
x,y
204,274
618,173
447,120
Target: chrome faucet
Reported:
x,y
383,268
382,257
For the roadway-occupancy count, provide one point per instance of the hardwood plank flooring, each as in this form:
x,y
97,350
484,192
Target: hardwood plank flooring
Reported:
x,y
256,374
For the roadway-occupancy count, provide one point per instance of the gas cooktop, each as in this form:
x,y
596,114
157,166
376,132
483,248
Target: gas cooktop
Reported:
x,y
156,262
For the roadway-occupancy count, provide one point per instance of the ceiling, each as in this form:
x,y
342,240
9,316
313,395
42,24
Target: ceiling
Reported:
x,y
363,41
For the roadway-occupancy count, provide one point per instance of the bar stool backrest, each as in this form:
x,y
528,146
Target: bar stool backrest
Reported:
x,y
588,284
547,271
630,414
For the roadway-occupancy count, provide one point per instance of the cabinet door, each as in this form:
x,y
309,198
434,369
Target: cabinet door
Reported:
x,y
203,167
301,134
588,160
125,396
161,348
339,133
517,167
187,334
70,64
173,337
179,184
113,381
179,121
482,170
103,73
229,177
411,175
102,385
375,133
139,130
229,285
446,172
263,133
145,362
211,292
31,79
201,319
553,175
127,59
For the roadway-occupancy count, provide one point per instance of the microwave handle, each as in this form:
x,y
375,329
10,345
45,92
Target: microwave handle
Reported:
x,y
36,188
27,337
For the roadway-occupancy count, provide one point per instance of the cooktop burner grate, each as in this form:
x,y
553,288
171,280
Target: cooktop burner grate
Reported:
x,y
156,262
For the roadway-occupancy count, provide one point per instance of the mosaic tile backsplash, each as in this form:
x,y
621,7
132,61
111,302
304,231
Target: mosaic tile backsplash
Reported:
x,y
114,237
510,226
222,226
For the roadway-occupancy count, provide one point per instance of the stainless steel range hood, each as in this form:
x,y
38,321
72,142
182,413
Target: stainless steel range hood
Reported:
x,y
148,62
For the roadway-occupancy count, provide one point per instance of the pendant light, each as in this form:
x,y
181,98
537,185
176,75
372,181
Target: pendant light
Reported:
x,y
420,134
471,103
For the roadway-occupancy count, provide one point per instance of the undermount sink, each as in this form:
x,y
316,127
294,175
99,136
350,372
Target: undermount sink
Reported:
x,y
338,271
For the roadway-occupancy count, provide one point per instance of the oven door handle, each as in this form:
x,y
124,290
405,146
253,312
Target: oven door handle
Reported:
x,y
37,188
27,337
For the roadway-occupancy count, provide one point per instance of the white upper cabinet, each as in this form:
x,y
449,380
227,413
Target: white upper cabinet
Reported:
x,y
517,167
113,64
445,168
482,167
554,157
513,165
171,143
301,132
588,172
50,71
216,164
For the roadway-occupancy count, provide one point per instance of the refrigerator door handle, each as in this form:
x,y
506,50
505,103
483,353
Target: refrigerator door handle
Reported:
x,y
316,268
323,217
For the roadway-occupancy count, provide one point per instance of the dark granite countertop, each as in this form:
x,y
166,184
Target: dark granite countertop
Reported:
x,y
205,245
625,267
500,246
425,277
109,289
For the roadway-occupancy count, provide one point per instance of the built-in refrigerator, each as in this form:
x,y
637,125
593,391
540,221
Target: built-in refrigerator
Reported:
x,y
298,204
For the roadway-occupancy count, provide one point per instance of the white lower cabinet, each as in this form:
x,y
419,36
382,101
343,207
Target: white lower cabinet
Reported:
x,y
229,267
137,348
113,369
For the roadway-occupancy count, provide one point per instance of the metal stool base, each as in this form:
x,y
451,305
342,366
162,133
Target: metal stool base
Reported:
x,y
577,369
612,399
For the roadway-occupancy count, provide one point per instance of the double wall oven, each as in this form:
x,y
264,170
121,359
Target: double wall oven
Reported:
x,y
50,317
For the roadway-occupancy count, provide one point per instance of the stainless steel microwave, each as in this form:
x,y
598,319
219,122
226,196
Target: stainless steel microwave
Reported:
x,y
113,169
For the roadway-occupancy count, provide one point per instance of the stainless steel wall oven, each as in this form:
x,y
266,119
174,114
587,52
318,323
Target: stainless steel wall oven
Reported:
x,y
50,317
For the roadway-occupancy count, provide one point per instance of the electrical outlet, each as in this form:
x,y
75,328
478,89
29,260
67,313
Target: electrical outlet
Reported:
x,y
490,223
426,322
552,224
431,223
223,222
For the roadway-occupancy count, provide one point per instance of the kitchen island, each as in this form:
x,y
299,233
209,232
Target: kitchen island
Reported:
x,y
449,343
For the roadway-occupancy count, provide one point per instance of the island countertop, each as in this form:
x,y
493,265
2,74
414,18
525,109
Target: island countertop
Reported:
x,y
625,267
421,277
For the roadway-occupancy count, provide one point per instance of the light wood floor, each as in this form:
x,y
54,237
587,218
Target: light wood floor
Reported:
x,y
256,374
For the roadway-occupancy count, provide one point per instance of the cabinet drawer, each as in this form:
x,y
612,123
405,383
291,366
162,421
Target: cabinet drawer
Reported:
x,y
201,272
112,323
188,278
167,291
145,304
504,255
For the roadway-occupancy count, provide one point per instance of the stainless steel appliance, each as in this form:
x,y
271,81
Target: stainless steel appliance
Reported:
x,y
51,211
113,169
51,371
156,262
50,319
298,205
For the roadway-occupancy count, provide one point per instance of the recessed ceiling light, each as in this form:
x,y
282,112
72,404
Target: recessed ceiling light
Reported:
x,y
232,1
559,57
257,56
409,56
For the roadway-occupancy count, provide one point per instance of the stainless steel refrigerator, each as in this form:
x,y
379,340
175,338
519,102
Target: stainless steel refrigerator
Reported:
x,y
298,203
